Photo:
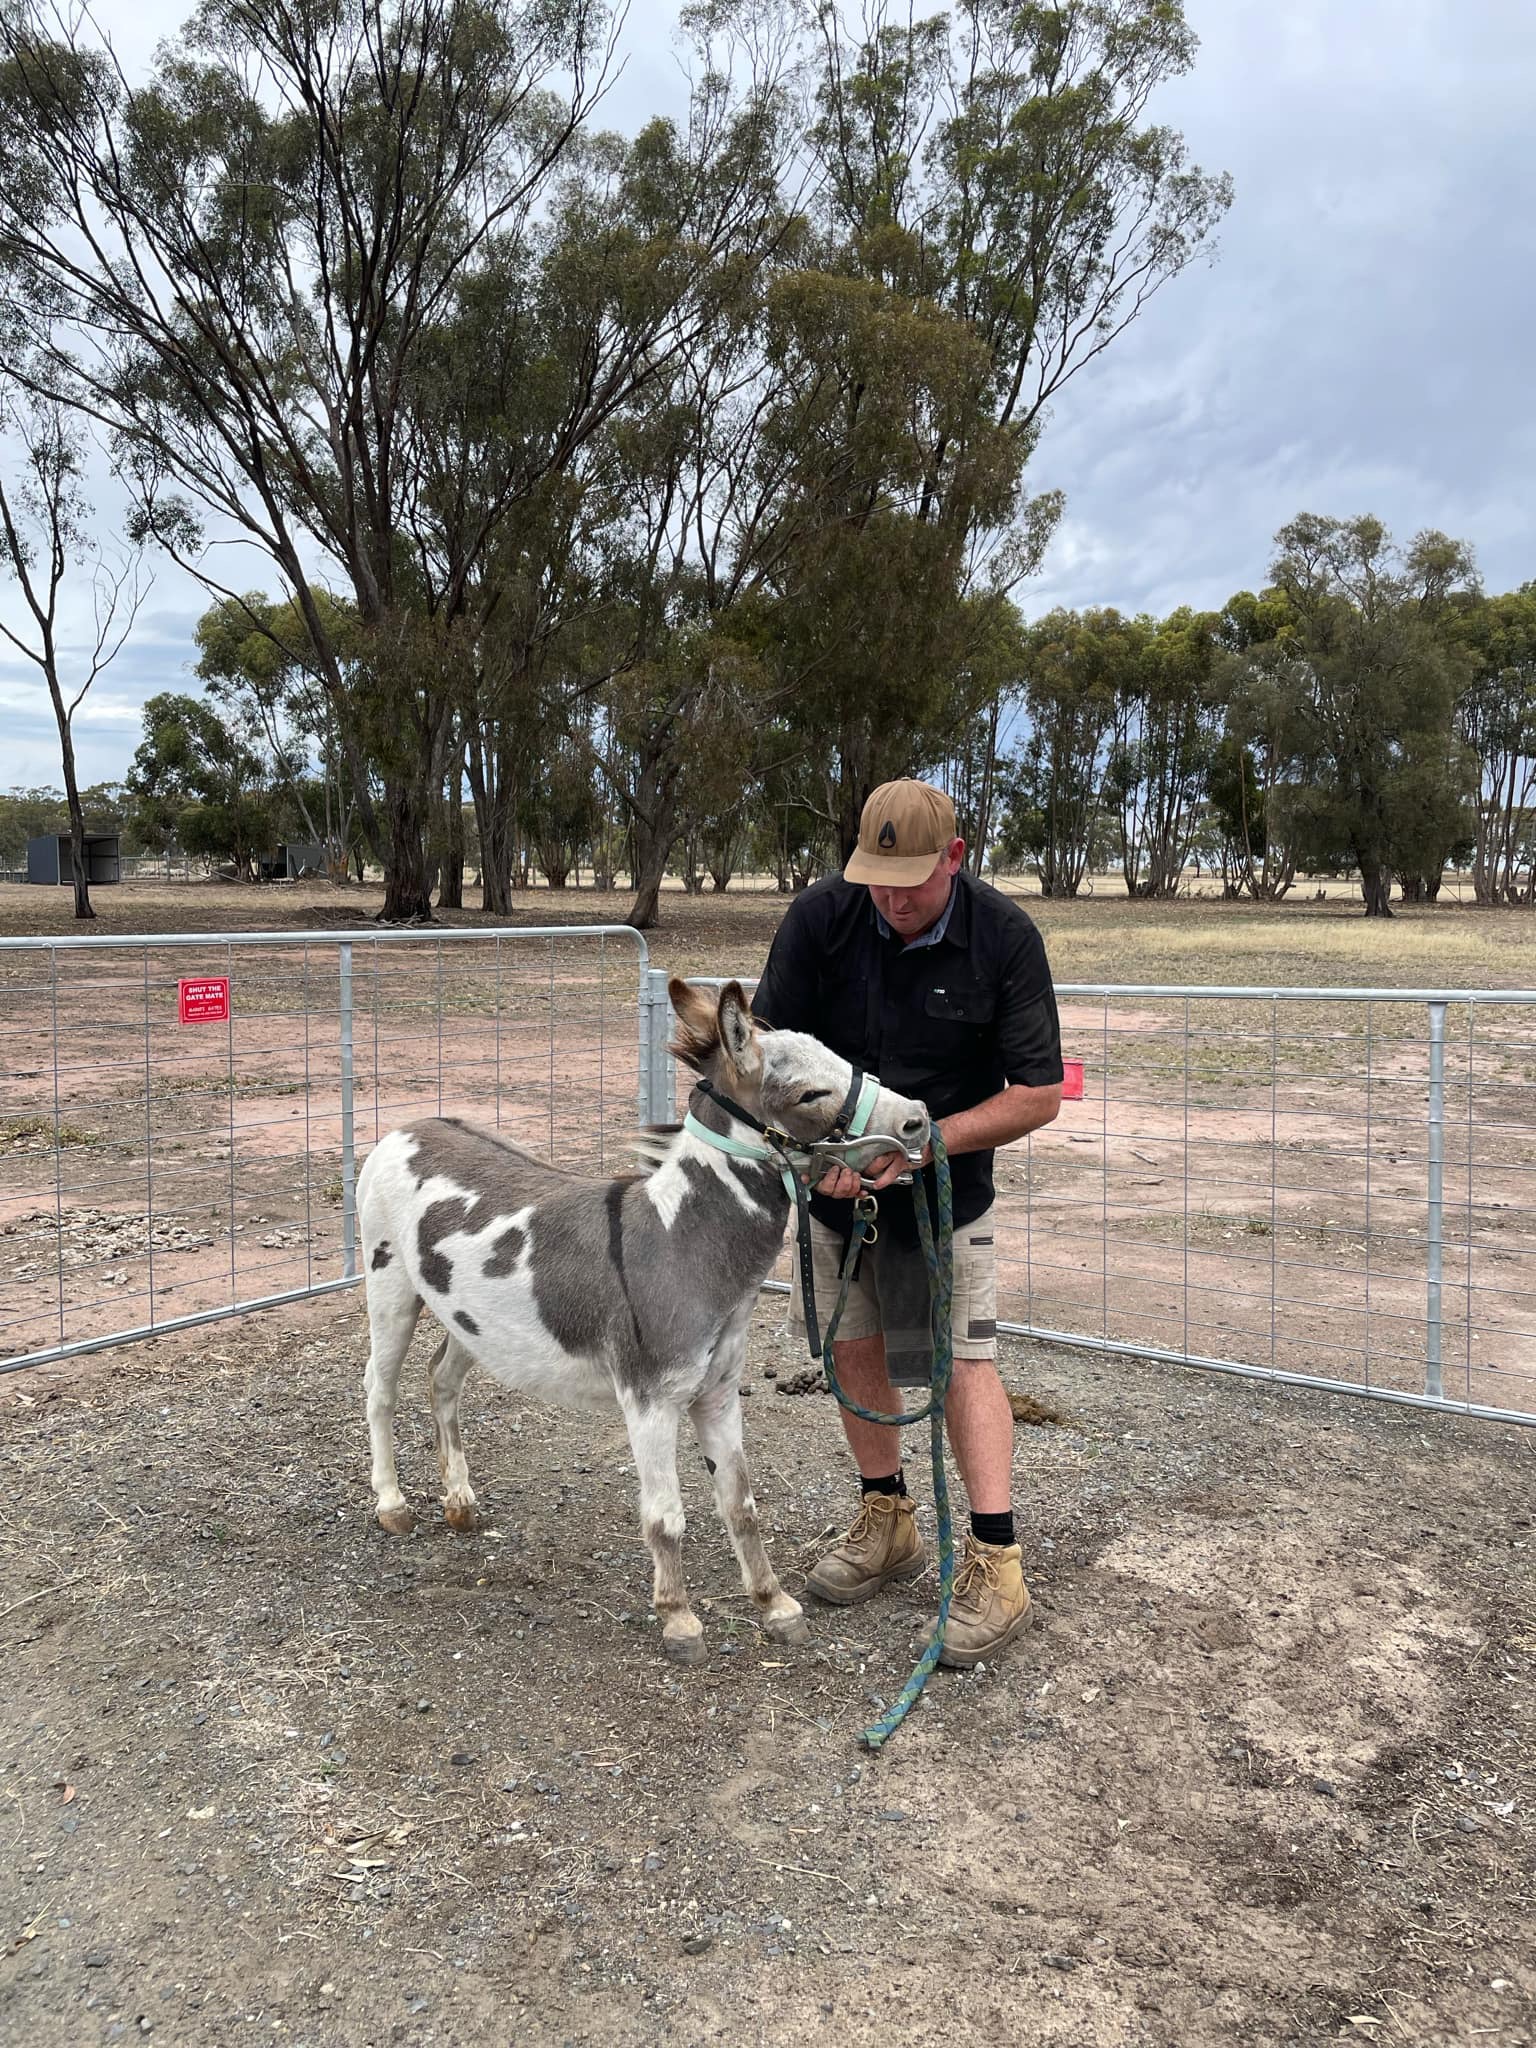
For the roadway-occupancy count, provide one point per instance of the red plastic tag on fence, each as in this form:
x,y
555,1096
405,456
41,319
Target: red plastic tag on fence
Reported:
x,y
1072,1081
206,1001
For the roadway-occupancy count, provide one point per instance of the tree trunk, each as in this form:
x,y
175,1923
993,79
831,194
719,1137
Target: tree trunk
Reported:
x,y
853,791
493,822
653,848
1376,888
643,912
450,894
653,824
83,907
407,878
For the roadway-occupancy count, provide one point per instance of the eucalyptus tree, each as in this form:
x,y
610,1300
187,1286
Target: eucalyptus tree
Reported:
x,y
597,366
256,658
198,781
1078,667
49,558
1166,730
1496,717
1253,769
991,180
240,258
1369,676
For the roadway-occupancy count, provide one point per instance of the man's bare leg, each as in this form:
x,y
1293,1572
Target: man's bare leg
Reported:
x,y
980,1424
861,1373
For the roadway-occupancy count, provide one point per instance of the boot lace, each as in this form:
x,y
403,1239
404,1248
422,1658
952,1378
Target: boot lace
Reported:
x,y
976,1581
861,1530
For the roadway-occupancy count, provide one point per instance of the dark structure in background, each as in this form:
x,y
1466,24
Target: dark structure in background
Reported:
x,y
291,862
48,859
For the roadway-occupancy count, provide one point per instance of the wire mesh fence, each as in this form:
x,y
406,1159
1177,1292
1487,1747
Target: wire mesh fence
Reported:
x,y
181,1119
1330,1186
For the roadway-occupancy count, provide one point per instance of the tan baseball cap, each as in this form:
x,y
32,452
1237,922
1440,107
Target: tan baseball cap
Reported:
x,y
904,828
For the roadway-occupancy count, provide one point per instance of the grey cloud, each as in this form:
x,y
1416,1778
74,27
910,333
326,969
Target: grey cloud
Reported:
x,y
1362,344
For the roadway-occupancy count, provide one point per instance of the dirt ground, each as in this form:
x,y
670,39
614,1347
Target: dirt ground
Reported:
x,y
1263,1774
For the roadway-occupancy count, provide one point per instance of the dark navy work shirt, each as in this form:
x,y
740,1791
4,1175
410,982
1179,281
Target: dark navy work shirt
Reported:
x,y
951,1023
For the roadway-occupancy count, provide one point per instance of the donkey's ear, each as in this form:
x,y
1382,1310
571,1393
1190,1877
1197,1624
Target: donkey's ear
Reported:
x,y
698,1030
738,1033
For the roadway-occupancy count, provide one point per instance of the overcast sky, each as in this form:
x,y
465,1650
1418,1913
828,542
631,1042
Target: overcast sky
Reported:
x,y
1364,341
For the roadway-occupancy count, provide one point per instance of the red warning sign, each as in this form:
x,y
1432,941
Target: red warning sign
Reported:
x,y
206,1001
1072,1080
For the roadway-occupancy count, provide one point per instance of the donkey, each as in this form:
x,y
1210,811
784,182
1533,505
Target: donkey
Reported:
x,y
633,1293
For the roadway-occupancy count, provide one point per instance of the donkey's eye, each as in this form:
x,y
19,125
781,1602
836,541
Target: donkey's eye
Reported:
x,y
815,1095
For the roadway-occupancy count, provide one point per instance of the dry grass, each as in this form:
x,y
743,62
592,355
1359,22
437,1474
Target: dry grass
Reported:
x,y
1098,938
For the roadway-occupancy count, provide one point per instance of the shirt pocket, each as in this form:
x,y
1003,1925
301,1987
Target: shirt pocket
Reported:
x,y
962,1007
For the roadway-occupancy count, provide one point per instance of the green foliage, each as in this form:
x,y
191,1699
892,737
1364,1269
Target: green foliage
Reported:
x,y
1079,669
1362,680
698,458
197,784
1496,718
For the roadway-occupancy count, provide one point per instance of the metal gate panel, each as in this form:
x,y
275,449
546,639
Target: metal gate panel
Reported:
x,y
1331,1187
157,1173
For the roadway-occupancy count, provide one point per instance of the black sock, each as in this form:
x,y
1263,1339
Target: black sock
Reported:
x,y
896,1483
995,1529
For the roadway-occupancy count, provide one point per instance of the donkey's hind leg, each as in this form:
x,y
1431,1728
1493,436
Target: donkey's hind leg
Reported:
x,y
445,1377
393,1308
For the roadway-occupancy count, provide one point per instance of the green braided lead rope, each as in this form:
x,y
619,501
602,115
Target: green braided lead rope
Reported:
x,y
941,1287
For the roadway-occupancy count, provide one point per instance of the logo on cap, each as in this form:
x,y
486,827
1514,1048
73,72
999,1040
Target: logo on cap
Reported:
x,y
887,834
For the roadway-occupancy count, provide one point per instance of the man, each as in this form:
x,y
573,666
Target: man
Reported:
x,y
939,985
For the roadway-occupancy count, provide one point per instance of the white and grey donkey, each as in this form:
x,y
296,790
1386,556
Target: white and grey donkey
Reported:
x,y
634,1292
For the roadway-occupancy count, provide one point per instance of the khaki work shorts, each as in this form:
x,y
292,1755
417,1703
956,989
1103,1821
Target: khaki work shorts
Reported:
x,y
974,1320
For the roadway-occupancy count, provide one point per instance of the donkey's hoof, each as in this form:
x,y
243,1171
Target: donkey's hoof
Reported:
x,y
397,1521
462,1515
685,1649
787,1628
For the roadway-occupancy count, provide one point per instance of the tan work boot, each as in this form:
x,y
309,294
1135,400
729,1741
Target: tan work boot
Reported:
x,y
881,1546
991,1605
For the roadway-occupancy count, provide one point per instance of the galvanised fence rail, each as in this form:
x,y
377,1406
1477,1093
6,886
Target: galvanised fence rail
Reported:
x,y
181,1118
1332,1187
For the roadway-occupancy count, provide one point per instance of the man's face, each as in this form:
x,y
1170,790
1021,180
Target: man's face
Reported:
x,y
910,912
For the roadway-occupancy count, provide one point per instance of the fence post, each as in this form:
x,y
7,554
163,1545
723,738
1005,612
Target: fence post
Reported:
x,y
644,1106
1435,1231
348,1149
658,1072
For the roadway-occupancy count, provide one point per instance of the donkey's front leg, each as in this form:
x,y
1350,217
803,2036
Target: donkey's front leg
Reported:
x,y
716,1417
653,1439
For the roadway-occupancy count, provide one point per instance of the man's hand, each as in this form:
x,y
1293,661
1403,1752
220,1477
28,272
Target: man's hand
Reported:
x,y
842,1183
881,1172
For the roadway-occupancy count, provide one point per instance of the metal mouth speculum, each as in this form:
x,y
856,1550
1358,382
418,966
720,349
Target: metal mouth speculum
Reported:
x,y
858,1153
